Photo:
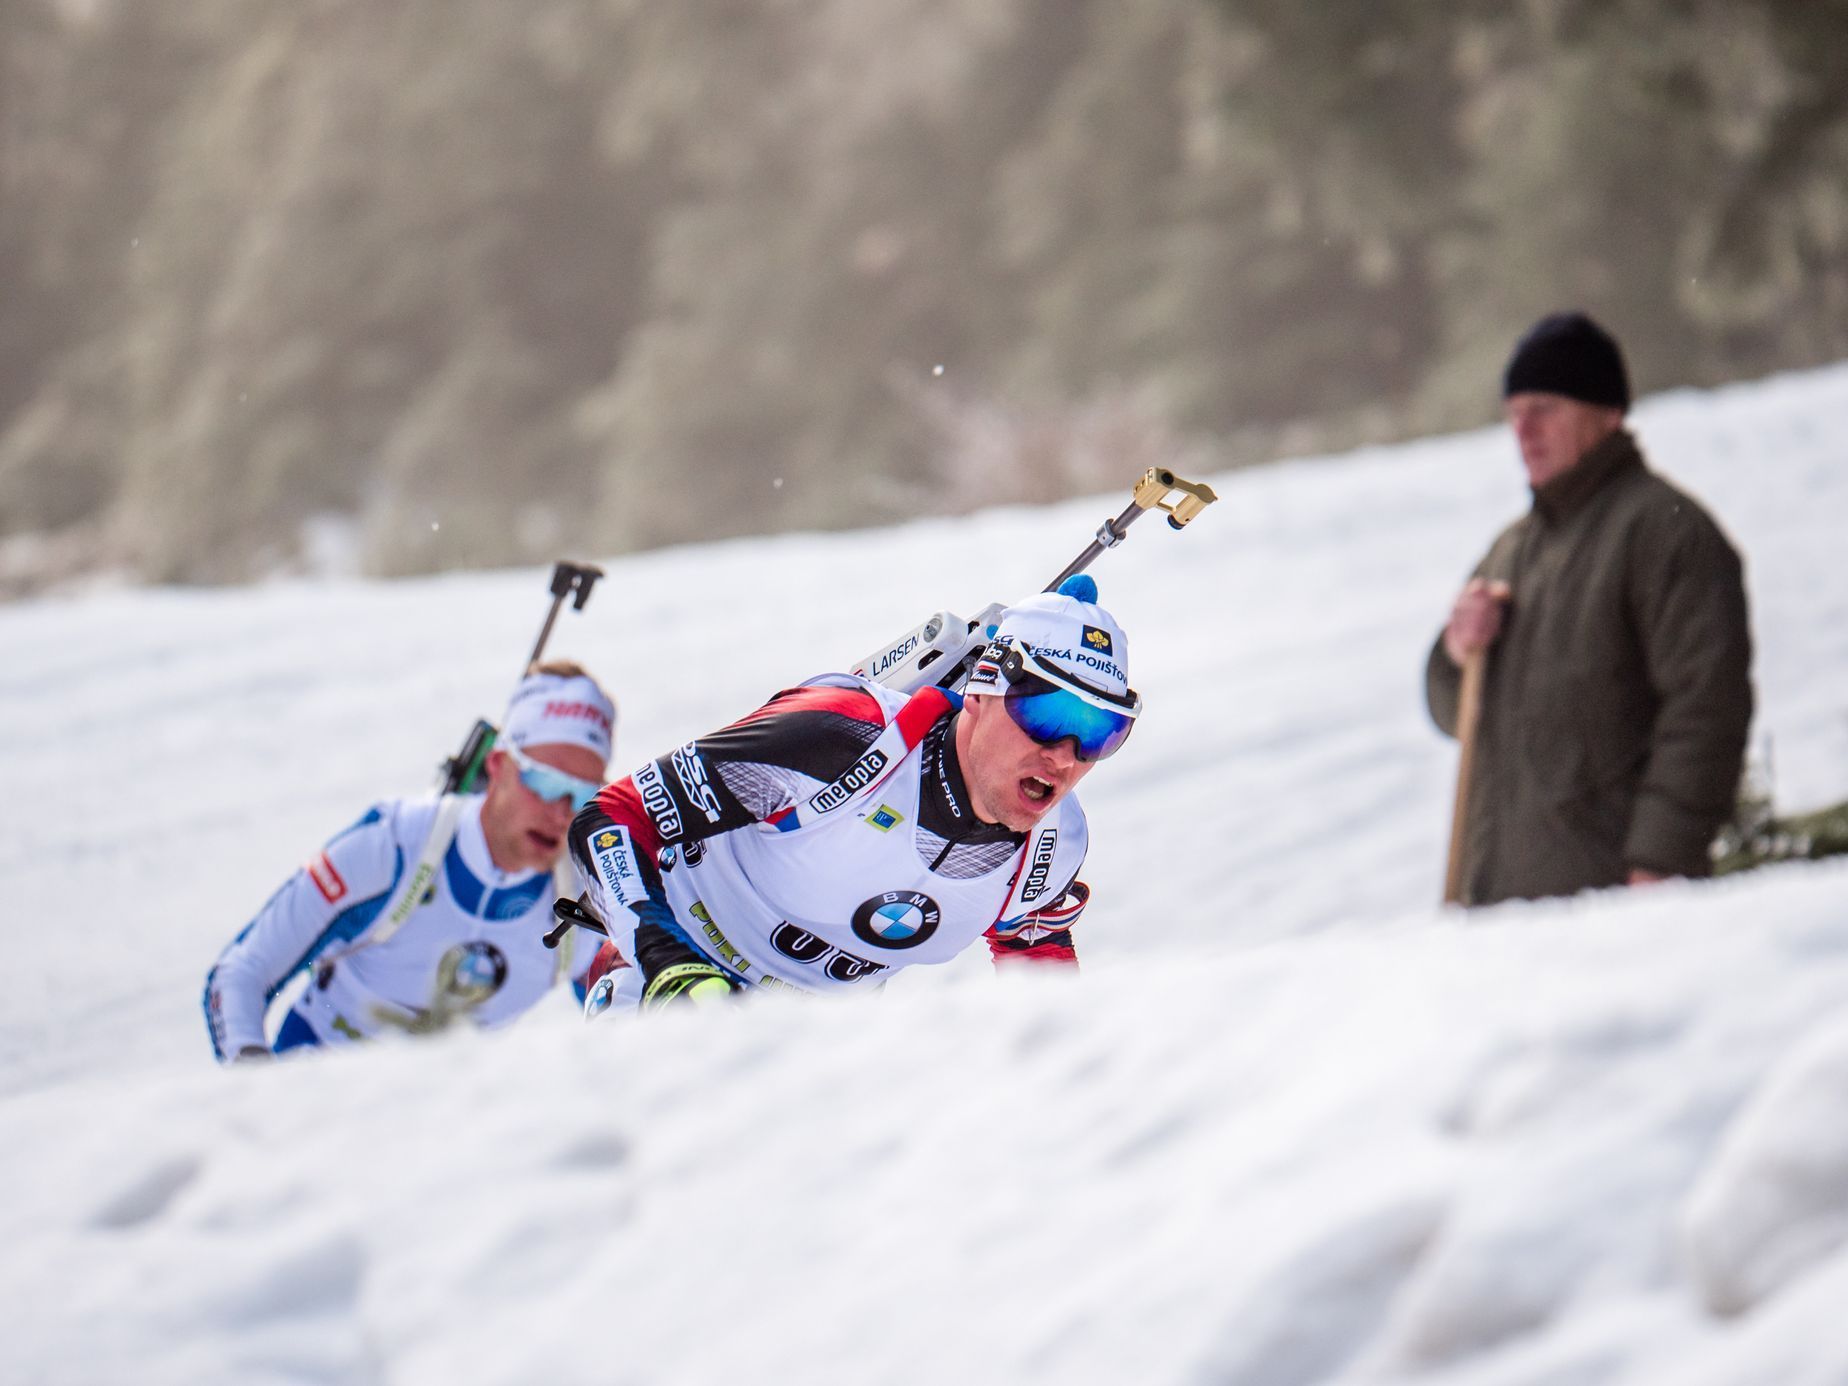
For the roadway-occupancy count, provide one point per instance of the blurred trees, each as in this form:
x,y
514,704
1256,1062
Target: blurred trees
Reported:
x,y
493,283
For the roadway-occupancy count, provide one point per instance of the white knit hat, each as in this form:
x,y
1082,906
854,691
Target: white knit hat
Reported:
x,y
1066,629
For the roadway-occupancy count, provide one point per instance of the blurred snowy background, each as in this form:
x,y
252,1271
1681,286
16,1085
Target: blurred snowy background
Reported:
x,y
332,287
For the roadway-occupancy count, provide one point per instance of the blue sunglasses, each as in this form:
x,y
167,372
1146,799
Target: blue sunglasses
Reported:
x,y
551,785
1051,705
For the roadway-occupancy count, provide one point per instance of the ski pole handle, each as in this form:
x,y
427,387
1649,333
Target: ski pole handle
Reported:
x,y
569,914
1159,489
568,580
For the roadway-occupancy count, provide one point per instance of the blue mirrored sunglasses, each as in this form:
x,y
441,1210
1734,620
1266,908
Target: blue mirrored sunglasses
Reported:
x,y
1096,722
551,785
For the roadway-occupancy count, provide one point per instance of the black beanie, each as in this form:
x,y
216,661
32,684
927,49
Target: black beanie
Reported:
x,y
1569,354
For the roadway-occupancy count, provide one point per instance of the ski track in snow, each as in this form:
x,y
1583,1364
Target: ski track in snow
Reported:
x,y
1292,1124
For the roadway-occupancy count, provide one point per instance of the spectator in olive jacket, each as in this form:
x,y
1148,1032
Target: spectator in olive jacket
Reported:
x,y
1617,689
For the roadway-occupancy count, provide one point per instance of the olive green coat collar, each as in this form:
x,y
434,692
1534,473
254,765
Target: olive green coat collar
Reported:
x,y
1567,494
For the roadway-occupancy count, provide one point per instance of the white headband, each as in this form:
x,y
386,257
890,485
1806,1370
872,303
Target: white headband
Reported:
x,y
553,710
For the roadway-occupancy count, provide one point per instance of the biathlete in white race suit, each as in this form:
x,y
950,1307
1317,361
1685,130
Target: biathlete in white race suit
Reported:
x,y
844,830
470,945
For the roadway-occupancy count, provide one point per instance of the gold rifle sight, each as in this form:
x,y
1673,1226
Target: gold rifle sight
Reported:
x,y
1161,489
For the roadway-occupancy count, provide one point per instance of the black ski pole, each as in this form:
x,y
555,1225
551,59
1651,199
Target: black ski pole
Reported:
x,y
569,914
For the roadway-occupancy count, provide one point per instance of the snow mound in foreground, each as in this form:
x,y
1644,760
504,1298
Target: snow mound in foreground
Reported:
x,y
1774,1202
1440,1149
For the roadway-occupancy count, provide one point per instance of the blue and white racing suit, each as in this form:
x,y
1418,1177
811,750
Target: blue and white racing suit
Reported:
x,y
472,948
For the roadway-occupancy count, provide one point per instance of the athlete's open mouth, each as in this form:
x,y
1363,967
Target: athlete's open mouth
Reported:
x,y
544,840
1035,789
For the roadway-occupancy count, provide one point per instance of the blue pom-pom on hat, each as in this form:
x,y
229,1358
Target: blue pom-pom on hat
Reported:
x,y
1066,628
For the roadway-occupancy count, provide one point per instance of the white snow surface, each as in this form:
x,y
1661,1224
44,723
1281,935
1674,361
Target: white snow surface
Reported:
x,y
1293,1123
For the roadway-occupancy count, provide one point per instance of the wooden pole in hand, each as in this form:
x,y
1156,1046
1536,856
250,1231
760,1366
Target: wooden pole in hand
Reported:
x,y
1469,713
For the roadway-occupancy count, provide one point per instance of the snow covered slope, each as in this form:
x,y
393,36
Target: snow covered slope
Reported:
x,y
1292,1124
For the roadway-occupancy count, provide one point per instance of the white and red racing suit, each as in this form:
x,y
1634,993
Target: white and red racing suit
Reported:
x,y
820,843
